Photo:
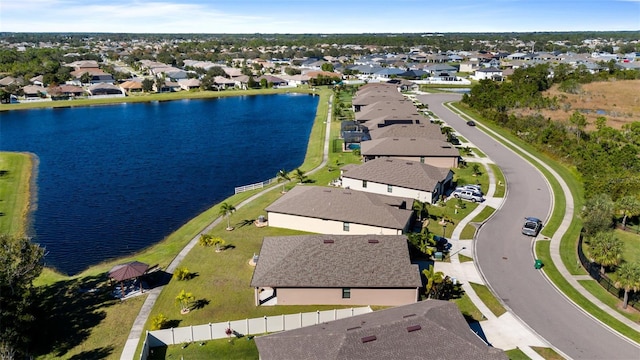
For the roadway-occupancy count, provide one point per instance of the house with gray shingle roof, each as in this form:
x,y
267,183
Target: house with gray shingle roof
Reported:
x,y
327,210
432,152
425,130
409,179
337,270
388,112
431,329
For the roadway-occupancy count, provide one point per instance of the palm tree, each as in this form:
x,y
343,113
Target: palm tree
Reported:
x,y
184,299
628,279
434,278
299,175
225,210
629,206
420,207
606,249
283,177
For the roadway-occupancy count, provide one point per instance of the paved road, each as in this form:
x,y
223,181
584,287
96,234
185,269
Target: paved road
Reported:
x,y
505,256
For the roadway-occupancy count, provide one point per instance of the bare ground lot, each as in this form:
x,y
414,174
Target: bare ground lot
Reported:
x,y
618,101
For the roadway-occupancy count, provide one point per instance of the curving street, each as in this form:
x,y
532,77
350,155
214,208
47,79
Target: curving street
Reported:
x,y
505,256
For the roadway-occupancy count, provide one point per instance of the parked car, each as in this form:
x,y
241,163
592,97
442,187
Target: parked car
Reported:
x,y
472,187
466,194
471,123
531,226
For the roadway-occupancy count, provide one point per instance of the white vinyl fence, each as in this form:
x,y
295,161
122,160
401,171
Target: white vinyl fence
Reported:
x,y
253,326
259,185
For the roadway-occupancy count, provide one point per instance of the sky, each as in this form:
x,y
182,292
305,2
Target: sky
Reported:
x,y
317,16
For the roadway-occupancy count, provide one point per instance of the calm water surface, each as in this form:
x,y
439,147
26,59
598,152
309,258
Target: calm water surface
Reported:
x,y
115,179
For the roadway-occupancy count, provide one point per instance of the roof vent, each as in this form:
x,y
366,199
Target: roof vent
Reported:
x,y
327,190
413,328
409,315
373,241
412,139
328,241
354,328
409,162
367,339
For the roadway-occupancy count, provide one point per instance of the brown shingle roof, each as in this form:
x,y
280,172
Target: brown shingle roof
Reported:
x,y
425,131
408,147
345,205
349,261
402,173
431,329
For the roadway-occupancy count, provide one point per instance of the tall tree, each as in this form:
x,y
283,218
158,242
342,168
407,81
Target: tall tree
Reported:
x,y
299,175
421,208
282,177
629,206
20,264
226,210
605,249
597,215
434,279
628,279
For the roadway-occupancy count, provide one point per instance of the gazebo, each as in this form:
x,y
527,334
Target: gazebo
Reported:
x,y
130,270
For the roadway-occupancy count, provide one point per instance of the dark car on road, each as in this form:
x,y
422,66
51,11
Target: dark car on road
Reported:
x,y
531,226
471,123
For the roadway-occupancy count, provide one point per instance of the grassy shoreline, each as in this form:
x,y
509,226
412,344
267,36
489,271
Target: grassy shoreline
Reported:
x,y
146,97
17,191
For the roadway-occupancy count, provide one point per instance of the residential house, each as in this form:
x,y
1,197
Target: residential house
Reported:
x,y
131,86
433,152
340,211
336,270
489,73
105,90
389,112
424,130
64,92
34,92
431,329
189,84
222,82
395,177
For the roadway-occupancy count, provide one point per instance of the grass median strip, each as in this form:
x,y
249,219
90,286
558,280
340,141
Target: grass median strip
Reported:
x,y
488,299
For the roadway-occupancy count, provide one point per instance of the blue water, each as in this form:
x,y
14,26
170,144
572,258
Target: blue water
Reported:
x,y
115,179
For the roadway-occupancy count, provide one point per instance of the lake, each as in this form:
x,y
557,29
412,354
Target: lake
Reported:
x,y
115,179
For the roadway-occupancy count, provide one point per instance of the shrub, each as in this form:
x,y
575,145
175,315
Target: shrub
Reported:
x,y
182,273
159,322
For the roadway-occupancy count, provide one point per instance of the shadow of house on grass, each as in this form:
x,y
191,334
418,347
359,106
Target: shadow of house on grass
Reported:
x,y
99,353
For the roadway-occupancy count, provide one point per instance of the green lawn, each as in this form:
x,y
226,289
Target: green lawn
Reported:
x,y
468,309
240,349
488,299
15,187
517,354
501,185
606,297
631,249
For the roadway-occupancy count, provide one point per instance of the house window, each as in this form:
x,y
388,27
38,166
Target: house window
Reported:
x,y
364,184
389,188
346,293
345,226
421,159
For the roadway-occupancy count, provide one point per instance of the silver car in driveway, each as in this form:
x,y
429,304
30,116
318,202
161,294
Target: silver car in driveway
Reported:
x,y
467,194
531,226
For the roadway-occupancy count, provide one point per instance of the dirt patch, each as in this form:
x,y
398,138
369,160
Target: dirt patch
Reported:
x,y
617,100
